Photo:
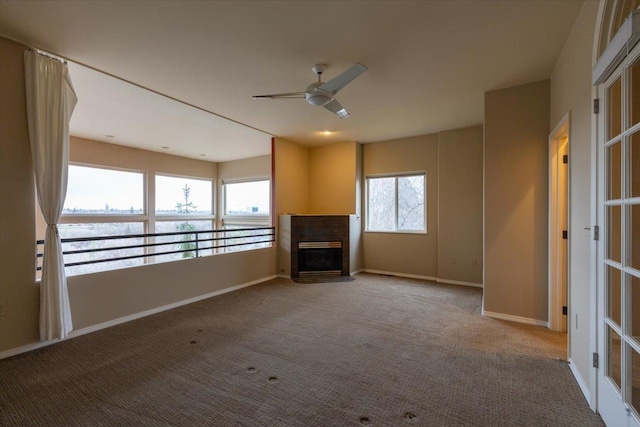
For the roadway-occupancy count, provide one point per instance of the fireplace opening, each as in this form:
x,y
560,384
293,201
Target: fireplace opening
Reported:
x,y
320,258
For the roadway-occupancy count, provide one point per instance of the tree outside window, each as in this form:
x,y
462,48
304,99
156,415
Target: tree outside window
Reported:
x,y
187,245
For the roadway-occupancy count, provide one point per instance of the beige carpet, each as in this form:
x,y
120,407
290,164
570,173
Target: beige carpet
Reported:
x,y
376,351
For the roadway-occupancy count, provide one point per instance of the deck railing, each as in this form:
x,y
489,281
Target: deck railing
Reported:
x,y
192,243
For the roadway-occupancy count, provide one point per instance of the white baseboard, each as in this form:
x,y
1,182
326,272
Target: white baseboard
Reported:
x,y
460,282
353,273
114,322
409,276
25,348
581,383
416,276
518,319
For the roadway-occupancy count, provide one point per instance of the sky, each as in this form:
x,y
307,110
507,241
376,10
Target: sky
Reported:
x,y
92,188
244,195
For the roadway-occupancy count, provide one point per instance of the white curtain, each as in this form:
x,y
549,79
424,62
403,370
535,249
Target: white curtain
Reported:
x,y
50,103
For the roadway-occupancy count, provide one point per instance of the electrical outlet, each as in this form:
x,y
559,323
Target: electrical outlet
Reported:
x,y
452,260
2,311
474,262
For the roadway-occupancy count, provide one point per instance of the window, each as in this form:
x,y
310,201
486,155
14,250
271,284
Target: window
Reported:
x,y
246,204
183,196
101,229
96,191
396,203
103,202
112,206
248,198
241,238
190,245
183,205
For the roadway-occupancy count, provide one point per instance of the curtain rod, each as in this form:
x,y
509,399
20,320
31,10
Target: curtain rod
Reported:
x,y
48,55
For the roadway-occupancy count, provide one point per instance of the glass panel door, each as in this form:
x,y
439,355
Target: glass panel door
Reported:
x,y
619,250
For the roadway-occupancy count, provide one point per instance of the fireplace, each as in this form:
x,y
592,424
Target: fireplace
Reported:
x,y
319,259
319,246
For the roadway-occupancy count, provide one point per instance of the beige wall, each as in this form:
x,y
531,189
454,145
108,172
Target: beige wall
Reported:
x,y
404,253
332,178
460,205
102,297
359,178
19,293
516,200
318,180
91,152
571,92
291,177
254,167
452,161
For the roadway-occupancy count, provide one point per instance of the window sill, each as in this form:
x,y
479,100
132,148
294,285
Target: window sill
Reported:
x,y
183,217
262,219
419,232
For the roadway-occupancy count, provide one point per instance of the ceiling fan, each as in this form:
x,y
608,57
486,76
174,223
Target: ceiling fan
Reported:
x,y
323,93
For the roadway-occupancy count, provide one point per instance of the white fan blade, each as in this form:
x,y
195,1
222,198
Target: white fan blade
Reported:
x,y
335,107
335,84
289,95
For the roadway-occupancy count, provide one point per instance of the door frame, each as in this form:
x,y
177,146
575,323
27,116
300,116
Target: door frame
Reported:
x,y
557,269
611,406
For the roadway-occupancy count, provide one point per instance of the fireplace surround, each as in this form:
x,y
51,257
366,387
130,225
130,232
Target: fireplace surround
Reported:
x,y
319,246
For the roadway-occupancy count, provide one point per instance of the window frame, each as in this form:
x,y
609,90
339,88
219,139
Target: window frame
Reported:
x,y
396,176
149,219
177,217
248,219
165,218
71,218
145,218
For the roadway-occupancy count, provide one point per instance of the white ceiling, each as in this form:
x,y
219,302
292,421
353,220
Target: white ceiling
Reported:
x,y
430,64
140,118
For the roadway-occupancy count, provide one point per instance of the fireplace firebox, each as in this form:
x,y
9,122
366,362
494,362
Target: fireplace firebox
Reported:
x,y
319,259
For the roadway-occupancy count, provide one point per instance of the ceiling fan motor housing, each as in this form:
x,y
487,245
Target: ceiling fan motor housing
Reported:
x,y
317,97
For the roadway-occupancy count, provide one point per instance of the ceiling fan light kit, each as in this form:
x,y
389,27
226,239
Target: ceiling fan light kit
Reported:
x,y
321,94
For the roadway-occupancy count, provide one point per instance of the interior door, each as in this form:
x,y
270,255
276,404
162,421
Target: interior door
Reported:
x,y
619,247
563,223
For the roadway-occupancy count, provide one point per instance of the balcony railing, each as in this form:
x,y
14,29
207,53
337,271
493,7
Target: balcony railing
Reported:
x,y
194,243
